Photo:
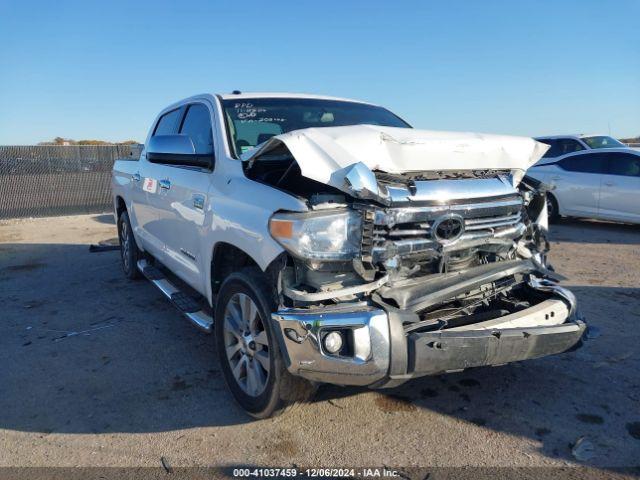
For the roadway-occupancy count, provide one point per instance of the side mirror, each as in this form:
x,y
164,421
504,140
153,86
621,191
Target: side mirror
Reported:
x,y
176,150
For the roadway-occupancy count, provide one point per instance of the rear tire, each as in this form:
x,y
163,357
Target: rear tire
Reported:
x,y
553,210
129,251
248,349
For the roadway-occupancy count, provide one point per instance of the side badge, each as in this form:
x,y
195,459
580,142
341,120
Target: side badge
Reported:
x,y
150,185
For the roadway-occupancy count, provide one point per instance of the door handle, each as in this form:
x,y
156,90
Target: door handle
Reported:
x,y
555,178
136,177
609,184
166,184
198,202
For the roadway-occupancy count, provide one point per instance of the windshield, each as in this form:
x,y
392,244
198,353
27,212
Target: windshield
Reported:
x,y
253,121
602,141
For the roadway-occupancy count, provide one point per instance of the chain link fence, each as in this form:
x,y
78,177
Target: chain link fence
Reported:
x,y
49,180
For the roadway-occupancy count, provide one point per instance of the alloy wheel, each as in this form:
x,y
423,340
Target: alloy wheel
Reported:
x,y
246,344
125,244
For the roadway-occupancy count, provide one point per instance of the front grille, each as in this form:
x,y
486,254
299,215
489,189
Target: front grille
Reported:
x,y
498,221
409,230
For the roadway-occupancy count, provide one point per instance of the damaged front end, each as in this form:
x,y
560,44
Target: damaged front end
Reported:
x,y
393,275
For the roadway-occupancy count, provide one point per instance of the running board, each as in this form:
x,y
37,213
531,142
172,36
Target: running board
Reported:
x,y
183,302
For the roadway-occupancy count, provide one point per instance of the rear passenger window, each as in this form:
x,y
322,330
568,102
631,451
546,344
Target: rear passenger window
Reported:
x,y
593,163
552,150
624,164
197,124
167,123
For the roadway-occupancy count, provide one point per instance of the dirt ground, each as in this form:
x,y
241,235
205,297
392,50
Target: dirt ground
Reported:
x,y
97,370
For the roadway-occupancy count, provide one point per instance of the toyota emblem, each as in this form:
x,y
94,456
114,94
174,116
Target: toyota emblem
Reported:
x,y
448,228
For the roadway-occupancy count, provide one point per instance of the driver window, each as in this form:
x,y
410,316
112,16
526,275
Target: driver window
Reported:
x,y
197,124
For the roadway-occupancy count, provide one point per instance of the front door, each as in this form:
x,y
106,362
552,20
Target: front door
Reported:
x,y
577,184
183,199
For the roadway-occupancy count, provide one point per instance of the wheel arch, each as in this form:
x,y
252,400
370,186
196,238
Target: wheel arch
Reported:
x,y
554,198
227,258
119,206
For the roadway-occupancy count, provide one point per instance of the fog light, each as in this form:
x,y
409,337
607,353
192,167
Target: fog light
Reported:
x,y
333,342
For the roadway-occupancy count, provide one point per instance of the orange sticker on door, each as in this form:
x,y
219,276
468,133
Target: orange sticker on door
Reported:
x,y
150,185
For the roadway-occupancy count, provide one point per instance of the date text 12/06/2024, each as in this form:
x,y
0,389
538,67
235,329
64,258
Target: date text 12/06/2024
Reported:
x,y
373,472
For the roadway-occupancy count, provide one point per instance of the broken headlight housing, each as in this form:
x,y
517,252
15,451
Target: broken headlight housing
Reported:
x,y
323,235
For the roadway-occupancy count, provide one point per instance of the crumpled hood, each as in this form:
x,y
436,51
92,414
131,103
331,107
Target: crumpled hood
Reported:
x,y
328,154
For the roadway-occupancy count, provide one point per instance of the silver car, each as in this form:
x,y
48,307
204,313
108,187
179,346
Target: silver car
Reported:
x,y
592,184
562,144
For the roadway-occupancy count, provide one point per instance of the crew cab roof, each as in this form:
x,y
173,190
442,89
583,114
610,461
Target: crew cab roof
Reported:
x,y
248,95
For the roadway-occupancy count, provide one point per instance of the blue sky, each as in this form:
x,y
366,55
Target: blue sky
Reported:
x,y
104,69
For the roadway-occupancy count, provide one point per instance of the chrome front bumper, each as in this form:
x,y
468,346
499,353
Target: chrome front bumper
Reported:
x,y
384,356
300,332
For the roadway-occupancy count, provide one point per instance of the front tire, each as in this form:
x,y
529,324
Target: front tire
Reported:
x,y
247,347
129,251
553,210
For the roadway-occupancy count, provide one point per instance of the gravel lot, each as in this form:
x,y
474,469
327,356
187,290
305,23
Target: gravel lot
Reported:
x,y
96,370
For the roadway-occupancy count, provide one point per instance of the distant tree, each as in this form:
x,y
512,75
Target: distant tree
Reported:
x,y
93,142
59,141
631,140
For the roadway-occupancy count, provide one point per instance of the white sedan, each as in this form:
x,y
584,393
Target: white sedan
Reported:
x,y
563,144
592,184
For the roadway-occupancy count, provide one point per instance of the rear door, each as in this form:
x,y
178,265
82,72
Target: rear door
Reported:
x,y
183,199
577,181
620,193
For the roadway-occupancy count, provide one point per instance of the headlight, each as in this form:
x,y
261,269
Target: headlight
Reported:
x,y
319,235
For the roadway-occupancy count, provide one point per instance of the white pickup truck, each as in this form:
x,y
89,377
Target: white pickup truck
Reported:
x,y
330,242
